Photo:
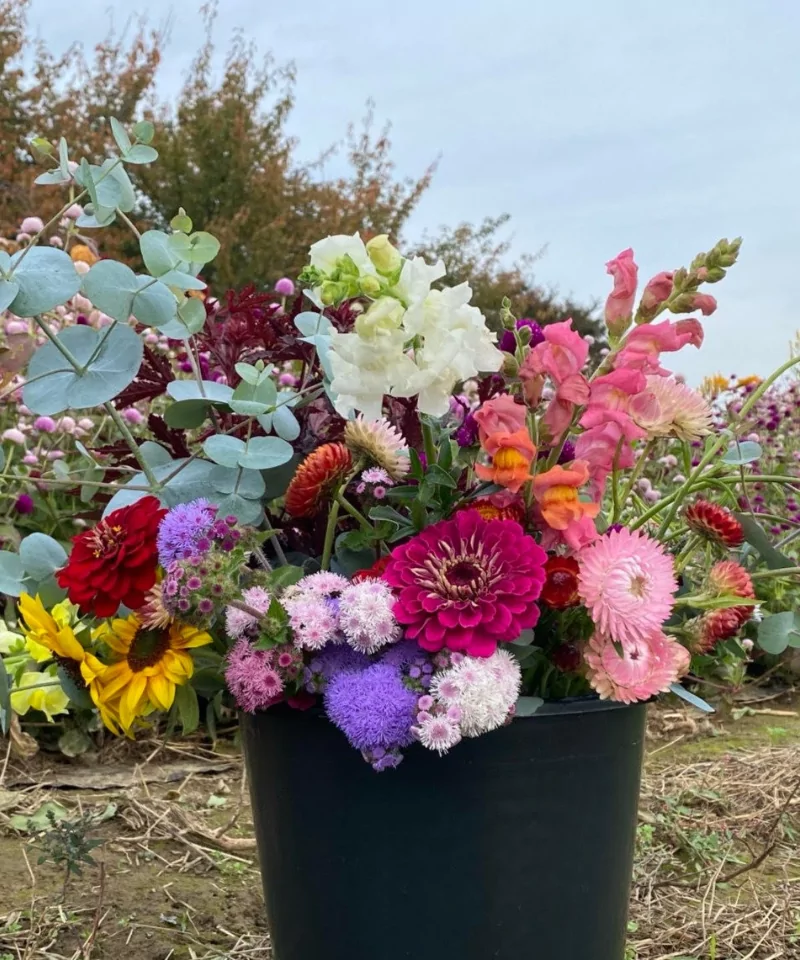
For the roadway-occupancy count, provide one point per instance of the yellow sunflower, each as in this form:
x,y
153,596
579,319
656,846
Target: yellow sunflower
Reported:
x,y
51,636
151,663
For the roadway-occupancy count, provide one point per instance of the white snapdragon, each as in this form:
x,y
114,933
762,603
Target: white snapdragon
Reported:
x,y
325,254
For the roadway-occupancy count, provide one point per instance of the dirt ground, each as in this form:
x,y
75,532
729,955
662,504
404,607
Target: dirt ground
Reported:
x,y
717,871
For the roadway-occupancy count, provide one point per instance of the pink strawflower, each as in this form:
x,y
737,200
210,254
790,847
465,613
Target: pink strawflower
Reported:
x,y
365,615
639,671
627,582
240,624
562,354
379,442
467,583
619,305
678,411
252,677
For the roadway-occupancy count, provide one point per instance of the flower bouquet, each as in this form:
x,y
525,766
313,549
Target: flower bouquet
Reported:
x,y
380,530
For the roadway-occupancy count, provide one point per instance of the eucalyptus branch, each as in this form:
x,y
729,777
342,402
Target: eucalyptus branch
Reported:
x,y
120,424
129,223
66,353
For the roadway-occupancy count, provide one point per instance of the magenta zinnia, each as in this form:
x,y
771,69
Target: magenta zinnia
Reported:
x,y
467,584
627,583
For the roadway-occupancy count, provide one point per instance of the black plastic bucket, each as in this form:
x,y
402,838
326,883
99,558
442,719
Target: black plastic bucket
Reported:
x,y
516,844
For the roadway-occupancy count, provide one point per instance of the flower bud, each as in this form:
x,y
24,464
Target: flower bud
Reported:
x,y
510,366
370,286
385,314
715,274
331,293
705,303
658,291
384,256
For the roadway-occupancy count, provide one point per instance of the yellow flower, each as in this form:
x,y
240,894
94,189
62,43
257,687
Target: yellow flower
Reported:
x,y
751,380
29,694
713,385
81,253
50,636
151,663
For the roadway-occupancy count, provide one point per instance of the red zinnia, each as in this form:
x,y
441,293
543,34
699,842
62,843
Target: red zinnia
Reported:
x,y
322,470
375,572
561,586
115,563
715,523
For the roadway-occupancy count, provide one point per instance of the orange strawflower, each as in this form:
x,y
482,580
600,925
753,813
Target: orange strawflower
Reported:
x,y
316,478
556,492
512,454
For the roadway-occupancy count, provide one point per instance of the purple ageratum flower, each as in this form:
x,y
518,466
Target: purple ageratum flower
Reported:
x,y
508,341
183,529
373,708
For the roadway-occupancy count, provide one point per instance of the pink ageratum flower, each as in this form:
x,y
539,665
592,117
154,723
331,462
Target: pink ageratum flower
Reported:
x,y
467,583
365,615
501,414
627,582
638,672
240,624
644,345
619,305
562,354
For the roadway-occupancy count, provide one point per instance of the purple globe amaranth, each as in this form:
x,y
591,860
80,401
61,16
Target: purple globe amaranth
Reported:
x,y
508,341
373,707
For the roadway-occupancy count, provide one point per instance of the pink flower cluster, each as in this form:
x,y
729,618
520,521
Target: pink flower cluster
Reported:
x,y
257,678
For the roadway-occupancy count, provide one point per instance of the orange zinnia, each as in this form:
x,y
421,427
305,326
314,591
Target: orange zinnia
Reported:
x,y
511,455
556,492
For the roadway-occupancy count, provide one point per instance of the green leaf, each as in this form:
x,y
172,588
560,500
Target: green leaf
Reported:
x,y
285,423
5,699
527,706
224,450
440,477
248,373
192,314
121,138
144,131
756,536
11,574
779,631
191,483
247,483
111,287
88,490
264,453
79,696
212,392
405,494
127,200
739,454
183,281
347,560
181,222
200,247
157,254
46,278
74,742
245,511
41,555
51,178
187,414
385,512
279,478
8,291
154,304
283,577
53,386
188,708
680,691
139,153
252,400
311,324
154,453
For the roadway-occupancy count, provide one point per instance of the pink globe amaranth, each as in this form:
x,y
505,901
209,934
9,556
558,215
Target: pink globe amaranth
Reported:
x,y
467,584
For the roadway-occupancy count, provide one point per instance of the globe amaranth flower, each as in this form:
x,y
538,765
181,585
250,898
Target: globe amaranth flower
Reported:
x,y
714,523
380,443
365,616
638,671
185,530
373,707
114,563
316,479
483,691
467,583
508,342
627,582
560,588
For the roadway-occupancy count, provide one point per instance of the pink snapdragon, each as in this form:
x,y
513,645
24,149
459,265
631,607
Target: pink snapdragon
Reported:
x,y
657,291
501,414
619,305
644,345
562,354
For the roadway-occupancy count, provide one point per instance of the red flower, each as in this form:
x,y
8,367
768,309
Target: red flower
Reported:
x,y
490,511
115,563
322,470
567,657
561,586
715,523
375,572
725,579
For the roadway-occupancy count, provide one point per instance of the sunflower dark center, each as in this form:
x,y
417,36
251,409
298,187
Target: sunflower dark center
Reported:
x,y
72,669
147,649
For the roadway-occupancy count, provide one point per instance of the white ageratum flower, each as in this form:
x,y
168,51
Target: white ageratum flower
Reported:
x,y
484,689
325,254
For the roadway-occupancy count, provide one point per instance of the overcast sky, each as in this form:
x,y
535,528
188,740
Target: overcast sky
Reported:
x,y
598,126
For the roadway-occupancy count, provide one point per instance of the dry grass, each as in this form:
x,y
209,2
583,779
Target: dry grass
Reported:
x,y
717,871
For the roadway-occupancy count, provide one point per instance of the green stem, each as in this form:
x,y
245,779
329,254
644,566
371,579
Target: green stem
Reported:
x,y
71,359
637,470
126,220
782,572
346,505
330,531
120,424
430,448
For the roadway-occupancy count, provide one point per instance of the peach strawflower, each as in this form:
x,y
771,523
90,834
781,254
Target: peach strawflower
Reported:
x,y
556,492
316,479
380,443
678,411
512,454
627,583
639,671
